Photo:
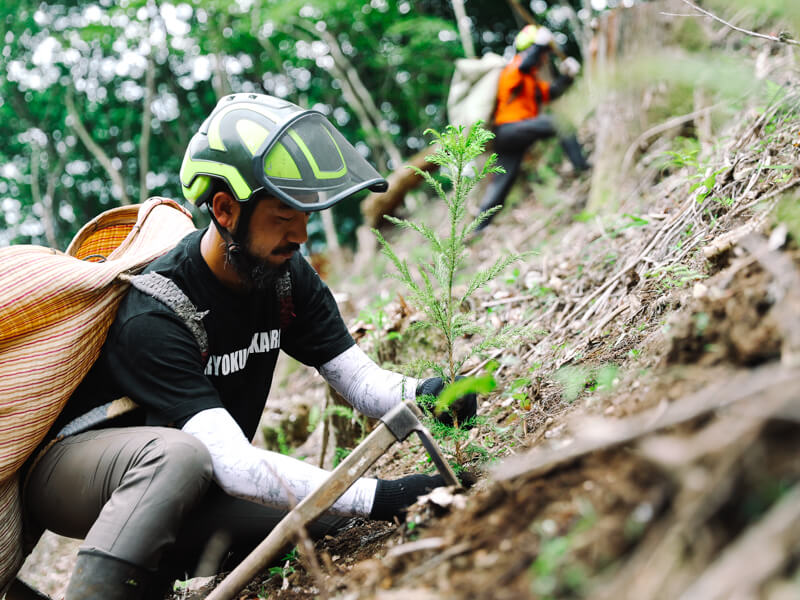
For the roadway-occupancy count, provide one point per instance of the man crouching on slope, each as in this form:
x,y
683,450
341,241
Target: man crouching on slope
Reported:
x,y
146,490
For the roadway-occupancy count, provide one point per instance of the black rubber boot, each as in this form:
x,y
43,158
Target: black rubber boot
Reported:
x,y
21,591
572,148
101,577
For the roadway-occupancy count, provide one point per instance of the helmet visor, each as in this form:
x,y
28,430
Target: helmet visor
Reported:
x,y
310,166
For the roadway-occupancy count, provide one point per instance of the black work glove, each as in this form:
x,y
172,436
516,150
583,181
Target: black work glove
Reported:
x,y
393,497
464,408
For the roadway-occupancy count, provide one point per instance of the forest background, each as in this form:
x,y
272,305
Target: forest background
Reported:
x,y
99,99
647,292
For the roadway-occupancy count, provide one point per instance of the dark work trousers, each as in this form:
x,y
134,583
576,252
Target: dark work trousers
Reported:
x,y
511,142
144,495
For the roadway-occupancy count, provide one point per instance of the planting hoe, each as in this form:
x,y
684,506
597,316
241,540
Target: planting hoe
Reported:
x,y
396,426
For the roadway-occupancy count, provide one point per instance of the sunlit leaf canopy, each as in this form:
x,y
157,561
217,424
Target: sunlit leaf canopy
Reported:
x,y
99,99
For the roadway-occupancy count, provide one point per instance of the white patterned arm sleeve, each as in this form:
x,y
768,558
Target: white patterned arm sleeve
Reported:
x,y
268,478
372,391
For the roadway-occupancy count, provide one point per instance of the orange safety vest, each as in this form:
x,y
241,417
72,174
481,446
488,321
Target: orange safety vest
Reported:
x,y
519,95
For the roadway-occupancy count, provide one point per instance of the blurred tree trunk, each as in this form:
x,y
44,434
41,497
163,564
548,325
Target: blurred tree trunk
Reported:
x,y
219,81
702,122
48,219
618,34
92,146
147,119
55,162
464,28
331,239
357,96
376,205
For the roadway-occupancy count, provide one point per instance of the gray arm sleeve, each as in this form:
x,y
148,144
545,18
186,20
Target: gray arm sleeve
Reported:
x,y
269,478
372,391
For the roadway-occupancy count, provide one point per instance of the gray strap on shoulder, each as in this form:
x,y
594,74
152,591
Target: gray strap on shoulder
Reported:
x,y
168,293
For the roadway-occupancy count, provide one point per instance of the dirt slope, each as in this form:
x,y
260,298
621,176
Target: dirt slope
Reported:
x,y
650,450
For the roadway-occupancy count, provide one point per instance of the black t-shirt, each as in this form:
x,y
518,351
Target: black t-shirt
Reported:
x,y
151,356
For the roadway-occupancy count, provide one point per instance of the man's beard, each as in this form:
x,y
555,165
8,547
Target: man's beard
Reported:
x,y
256,273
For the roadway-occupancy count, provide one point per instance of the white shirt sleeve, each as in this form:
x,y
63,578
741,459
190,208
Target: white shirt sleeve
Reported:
x,y
370,389
265,477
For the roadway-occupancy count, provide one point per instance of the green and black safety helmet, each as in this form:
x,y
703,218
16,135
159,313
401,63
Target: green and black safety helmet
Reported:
x,y
526,37
258,143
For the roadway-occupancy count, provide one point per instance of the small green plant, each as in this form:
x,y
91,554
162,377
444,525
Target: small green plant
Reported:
x,y
374,318
687,154
788,213
339,454
454,441
726,202
288,560
704,178
432,287
684,155
512,278
432,290
706,182
574,379
517,391
555,573
630,221
411,531
605,378
276,438
674,276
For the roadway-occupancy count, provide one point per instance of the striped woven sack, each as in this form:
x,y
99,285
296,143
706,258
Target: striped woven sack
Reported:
x,y
55,311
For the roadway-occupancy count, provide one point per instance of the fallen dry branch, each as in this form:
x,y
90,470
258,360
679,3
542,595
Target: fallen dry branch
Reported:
x,y
676,451
773,379
758,554
401,181
672,123
656,570
782,38
706,466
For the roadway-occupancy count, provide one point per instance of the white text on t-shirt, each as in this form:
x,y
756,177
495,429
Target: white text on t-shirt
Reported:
x,y
231,362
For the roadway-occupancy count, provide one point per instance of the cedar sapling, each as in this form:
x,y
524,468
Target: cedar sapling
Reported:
x,y
432,289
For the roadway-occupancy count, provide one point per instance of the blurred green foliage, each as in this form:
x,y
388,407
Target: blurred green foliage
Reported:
x,y
99,54
120,63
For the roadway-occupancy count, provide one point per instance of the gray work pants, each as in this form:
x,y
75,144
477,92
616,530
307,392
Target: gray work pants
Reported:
x,y
144,495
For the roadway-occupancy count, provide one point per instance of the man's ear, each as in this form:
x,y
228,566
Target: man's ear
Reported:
x,y
226,209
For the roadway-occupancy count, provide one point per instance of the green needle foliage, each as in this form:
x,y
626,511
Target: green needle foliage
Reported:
x,y
432,287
